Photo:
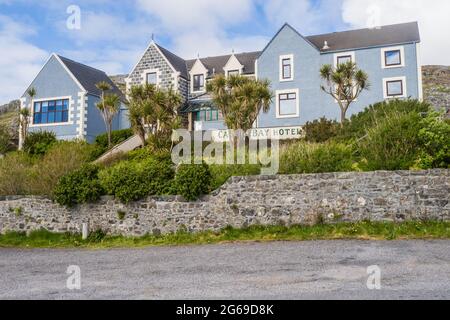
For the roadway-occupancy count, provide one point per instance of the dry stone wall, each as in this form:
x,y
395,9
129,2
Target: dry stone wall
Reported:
x,y
245,201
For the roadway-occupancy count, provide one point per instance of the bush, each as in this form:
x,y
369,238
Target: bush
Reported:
x,y
6,140
64,157
101,142
321,130
131,180
303,157
38,143
193,180
80,186
14,171
393,143
434,138
360,123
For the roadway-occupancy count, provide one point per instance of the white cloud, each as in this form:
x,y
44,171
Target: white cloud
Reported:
x,y
200,26
20,61
433,18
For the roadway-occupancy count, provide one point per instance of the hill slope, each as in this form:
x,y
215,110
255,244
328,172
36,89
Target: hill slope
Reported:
x,y
436,86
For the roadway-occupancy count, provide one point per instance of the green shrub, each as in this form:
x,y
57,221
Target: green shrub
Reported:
x,y
6,140
38,143
393,143
63,158
360,123
80,186
132,180
321,130
193,180
435,142
303,157
14,172
221,173
101,142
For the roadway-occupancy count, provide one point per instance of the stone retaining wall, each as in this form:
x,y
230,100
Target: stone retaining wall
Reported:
x,y
244,201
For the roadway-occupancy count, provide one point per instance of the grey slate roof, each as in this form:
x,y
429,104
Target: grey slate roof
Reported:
x,y
364,38
89,77
178,63
216,64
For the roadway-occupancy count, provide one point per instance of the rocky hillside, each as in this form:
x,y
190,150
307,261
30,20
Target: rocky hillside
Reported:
x,y
119,81
436,86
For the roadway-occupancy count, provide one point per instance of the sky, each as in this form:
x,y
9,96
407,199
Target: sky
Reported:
x,y
112,35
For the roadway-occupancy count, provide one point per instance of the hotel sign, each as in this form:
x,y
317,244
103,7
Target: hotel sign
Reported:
x,y
282,133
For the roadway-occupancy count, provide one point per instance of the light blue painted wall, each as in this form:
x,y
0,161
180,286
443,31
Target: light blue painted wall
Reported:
x,y
308,60
96,125
53,81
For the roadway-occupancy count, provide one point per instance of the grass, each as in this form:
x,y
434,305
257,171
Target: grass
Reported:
x,y
340,231
8,118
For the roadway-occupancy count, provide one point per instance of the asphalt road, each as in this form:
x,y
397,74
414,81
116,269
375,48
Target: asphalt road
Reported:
x,y
283,270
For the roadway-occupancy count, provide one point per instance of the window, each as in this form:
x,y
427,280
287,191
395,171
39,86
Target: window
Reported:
x,y
152,78
199,82
287,68
394,88
287,104
208,115
47,112
392,58
344,59
233,73
287,71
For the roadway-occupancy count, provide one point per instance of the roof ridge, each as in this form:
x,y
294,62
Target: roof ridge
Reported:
x,y
362,29
81,64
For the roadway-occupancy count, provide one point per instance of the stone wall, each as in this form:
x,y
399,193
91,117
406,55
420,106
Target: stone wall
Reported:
x,y
294,199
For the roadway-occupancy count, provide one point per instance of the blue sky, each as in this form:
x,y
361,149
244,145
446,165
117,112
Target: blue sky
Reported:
x,y
114,34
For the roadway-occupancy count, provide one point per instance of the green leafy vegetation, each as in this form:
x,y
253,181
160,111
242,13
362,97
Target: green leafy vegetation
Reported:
x,y
134,180
395,135
193,180
22,174
341,231
39,143
80,186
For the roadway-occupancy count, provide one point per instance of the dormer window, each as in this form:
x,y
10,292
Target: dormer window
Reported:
x,y
287,68
233,73
199,82
392,57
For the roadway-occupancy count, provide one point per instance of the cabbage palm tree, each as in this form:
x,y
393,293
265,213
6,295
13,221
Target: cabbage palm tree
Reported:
x,y
25,114
109,106
344,83
240,99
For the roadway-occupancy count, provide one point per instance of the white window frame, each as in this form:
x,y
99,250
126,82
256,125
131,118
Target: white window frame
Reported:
x,y
283,57
54,124
405,89
402,57
158,76
287,91
344,54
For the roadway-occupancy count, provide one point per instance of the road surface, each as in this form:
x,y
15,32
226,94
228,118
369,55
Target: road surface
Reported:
x,y
279,270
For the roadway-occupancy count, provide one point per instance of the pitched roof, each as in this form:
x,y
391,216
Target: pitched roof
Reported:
x,y
178,63
88,77
217,63
364,38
